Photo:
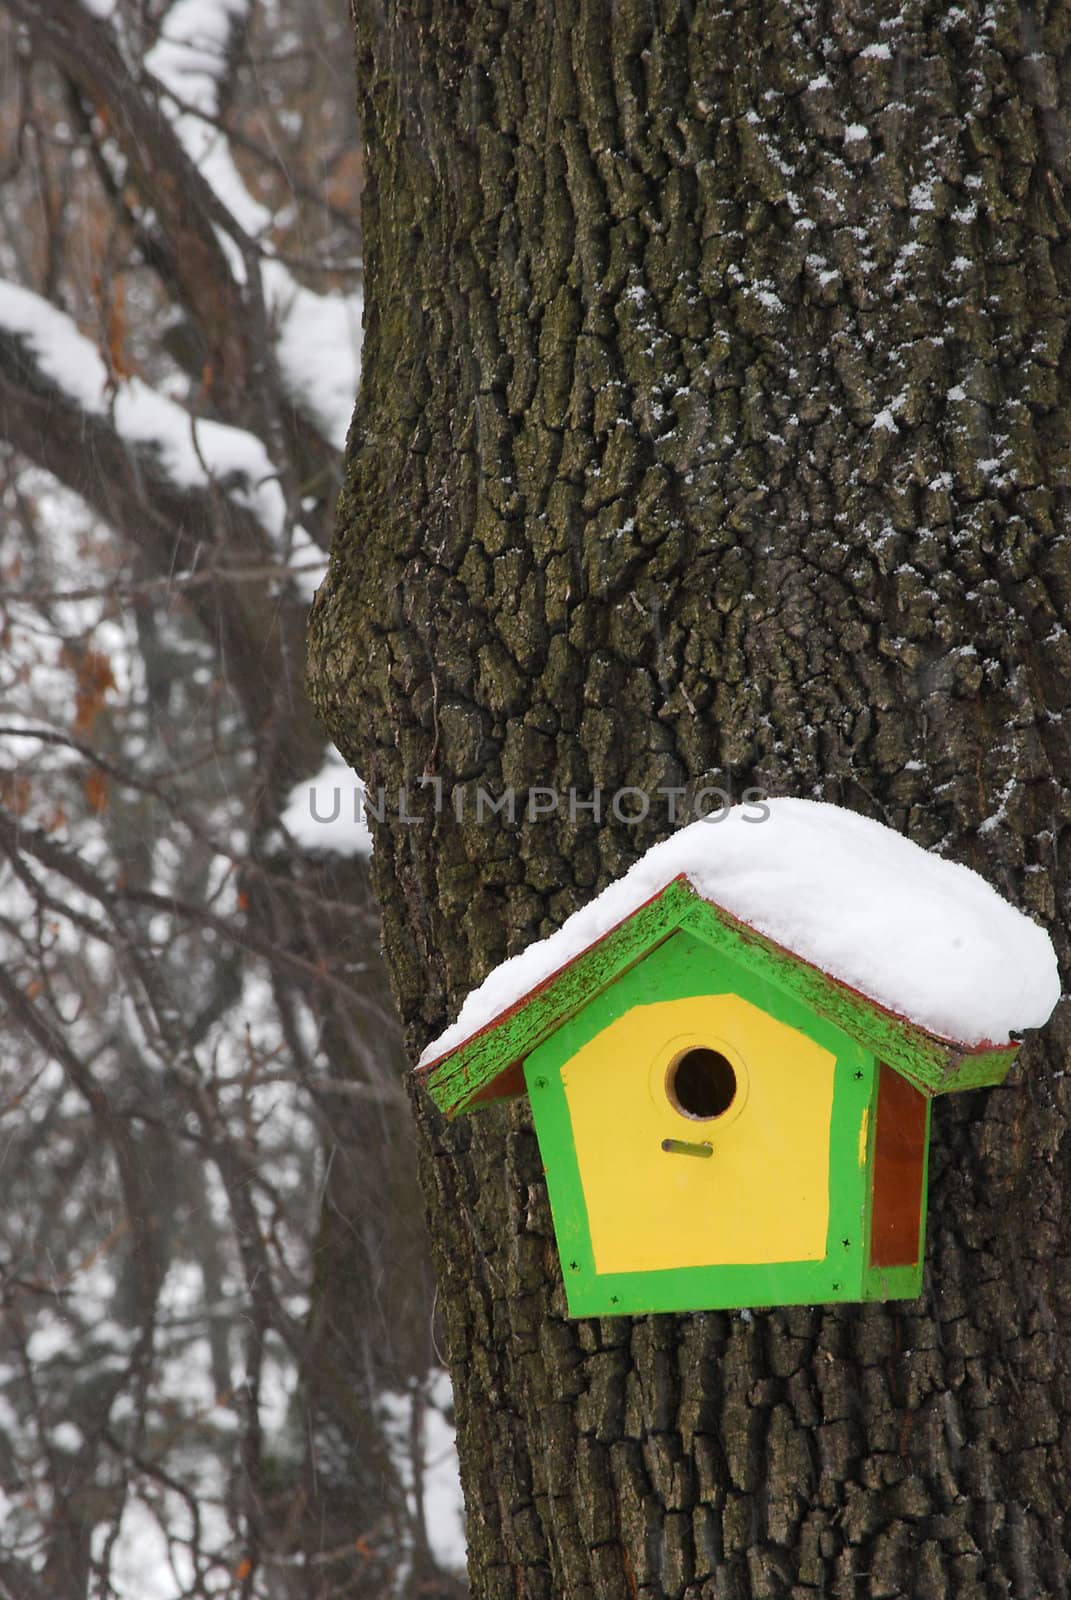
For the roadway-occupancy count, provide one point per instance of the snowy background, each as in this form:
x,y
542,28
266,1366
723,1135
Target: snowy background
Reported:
x,y
218,1352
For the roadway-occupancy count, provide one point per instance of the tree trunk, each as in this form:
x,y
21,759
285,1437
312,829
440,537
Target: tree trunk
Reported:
x,y
714,431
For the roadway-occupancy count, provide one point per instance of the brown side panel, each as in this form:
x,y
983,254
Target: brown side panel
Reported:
x,y
506,1086
899,1165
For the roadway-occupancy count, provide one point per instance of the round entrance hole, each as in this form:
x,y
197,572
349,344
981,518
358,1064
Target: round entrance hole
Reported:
x,y
701,1083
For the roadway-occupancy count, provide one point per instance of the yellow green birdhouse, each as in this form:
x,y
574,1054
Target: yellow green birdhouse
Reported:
x,y
731,1054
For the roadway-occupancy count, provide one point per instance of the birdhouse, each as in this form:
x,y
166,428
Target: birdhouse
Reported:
x,y
731,1056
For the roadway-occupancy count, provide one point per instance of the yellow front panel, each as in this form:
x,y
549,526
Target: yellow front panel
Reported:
x,y
764,1193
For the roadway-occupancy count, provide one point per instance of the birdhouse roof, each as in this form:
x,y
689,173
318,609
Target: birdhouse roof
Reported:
x,y
917,957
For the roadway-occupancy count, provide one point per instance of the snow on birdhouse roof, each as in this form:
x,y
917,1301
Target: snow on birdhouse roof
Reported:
x,y
927,939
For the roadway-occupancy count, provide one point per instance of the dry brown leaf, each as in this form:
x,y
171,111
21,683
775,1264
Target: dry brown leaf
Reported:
x,y
97,791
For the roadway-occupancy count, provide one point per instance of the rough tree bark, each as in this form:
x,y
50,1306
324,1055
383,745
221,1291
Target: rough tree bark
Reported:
x,y
715,429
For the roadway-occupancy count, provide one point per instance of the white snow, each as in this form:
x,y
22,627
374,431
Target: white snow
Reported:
x,y
318,348
328,812
308,562
68,1437
926,938
141,1564
191,52
443,1504
192,452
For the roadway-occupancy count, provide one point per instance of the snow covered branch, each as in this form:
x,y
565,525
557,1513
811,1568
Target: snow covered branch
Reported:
x,y
185,494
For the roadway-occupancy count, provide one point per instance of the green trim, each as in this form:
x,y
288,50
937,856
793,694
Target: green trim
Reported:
x,y
455,1080
682,967
633,1294
893,1283
934,1065
983,1069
